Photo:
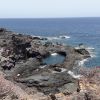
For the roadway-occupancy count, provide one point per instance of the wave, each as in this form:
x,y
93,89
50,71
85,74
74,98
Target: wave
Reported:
x,y
53,38
92,53
64,36
73,75
91,50
58,37
48,38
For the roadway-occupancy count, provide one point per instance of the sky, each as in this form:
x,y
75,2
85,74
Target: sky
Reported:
x,y
49,8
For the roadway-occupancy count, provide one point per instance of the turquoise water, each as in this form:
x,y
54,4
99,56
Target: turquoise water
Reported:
x,y
80,30
57,59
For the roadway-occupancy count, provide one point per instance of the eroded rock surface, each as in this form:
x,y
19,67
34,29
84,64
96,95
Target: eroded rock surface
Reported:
x,y
21,61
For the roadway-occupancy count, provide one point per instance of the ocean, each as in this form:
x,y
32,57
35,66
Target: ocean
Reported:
x,y
76,30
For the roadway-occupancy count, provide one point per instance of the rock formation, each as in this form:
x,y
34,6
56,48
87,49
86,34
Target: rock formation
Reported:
x,y
24,76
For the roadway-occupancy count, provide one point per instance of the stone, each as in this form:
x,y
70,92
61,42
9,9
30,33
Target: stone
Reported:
x,y
69,88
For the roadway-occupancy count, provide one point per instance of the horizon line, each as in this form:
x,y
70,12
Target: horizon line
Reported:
x,y
46,17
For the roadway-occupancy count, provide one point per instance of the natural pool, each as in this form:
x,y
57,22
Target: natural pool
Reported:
x,y
54,59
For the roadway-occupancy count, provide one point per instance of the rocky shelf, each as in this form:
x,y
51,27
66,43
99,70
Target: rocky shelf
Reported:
x,y
21,63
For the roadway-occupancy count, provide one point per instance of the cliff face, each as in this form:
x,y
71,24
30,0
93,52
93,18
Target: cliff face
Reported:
x,y
21,63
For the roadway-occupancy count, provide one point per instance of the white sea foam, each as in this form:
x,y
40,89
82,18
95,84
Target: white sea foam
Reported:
x,y
52,38
81,63
91,51
54,54
36,36
92,54
90,48
64,36
73,75
59,37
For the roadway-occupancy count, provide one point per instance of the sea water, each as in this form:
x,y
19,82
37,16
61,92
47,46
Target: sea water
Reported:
x,y
78,30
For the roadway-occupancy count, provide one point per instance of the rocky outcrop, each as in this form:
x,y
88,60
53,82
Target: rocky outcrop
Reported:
x,y
83,52
48,83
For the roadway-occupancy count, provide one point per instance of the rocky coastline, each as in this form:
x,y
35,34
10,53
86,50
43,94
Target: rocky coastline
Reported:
x,y
21,65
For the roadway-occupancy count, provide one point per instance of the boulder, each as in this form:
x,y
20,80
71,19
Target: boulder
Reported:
x,y
83,52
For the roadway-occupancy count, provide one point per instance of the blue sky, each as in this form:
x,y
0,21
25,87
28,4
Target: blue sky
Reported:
x,y
49,8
